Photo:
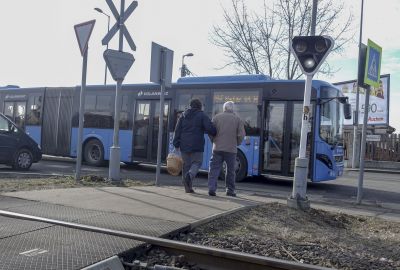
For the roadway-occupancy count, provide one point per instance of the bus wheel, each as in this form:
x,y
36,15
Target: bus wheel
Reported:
x,y
94,153
241,168
23,160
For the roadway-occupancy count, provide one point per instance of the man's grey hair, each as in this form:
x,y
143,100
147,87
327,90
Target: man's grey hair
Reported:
x,y
228,106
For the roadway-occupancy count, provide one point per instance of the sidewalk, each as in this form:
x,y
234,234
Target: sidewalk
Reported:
x,y
150,210
170,203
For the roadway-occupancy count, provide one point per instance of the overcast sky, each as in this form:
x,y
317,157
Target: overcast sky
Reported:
x,y
39,47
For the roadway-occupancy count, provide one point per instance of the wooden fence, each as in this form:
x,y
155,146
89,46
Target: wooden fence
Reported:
x,y
388,149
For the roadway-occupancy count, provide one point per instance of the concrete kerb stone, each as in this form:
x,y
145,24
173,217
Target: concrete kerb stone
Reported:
x,y
375,170
55,158
17,175
379,210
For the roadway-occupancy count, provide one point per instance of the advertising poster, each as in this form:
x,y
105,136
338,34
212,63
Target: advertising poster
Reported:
x,y
378,101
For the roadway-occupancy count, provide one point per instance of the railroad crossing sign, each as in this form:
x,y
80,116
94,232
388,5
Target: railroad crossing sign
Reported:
x,y
119,24
83,32
373,64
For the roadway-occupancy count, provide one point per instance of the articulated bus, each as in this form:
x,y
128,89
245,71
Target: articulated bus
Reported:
x,y
271,111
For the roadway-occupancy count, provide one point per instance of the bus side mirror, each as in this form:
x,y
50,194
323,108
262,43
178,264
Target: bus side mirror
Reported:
x,y
347,111
343,100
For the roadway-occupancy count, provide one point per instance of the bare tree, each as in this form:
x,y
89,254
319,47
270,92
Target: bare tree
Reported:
x,y
258,42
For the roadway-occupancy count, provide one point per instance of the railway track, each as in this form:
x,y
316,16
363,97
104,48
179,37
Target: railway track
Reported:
x,y
202,256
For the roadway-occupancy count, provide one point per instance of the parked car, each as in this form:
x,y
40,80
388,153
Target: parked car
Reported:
x,y
17,149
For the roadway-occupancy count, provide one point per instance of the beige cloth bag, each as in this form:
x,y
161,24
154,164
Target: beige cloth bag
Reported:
x,y
174,163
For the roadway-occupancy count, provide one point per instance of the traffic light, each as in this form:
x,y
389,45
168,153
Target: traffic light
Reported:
x,y
311,51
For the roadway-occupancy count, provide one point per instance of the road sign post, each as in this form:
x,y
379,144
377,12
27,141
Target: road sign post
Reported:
x,y
161,73
310,52
83,32
119,64
371,78
355,157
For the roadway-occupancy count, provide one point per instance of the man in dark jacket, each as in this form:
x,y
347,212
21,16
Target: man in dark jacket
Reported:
x,y
189,138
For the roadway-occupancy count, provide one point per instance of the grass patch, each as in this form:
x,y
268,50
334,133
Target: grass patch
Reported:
x,y
26,184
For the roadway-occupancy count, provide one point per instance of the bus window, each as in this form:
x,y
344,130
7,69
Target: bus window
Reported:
x,y
15,111
245,107
19,116
273,144
103,103
33,116
98,111
124,113
331,122
90,103
9,110
184,100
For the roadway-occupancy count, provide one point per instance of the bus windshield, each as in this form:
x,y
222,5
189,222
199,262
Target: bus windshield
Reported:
x,y
331,120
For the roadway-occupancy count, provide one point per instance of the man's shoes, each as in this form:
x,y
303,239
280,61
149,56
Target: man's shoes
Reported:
x,y
212,193
191,191
231,194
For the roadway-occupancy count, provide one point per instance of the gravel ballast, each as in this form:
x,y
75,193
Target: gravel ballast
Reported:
x,y
316,237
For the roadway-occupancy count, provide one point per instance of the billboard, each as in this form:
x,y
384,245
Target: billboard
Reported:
x,y
378,101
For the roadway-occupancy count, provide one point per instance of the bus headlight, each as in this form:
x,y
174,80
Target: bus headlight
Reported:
x,y
339,158
247,140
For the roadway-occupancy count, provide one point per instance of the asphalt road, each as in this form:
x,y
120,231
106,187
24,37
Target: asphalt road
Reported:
x,y
380,189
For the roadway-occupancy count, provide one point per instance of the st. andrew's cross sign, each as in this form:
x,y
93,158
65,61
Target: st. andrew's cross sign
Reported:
x,y
119,24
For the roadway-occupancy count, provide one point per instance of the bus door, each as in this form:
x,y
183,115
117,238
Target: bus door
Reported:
x,y
145,130
273,136
16,111
281,136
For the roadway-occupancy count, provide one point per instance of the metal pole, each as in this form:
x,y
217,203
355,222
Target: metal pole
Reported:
x,y
161,117
121,19
299,198
108,28
115,156
81,112
363,143
314,17
355,127
115,150
306,117
183,68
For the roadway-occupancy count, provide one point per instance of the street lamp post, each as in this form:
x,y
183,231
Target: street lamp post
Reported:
x,y
183,68
108,30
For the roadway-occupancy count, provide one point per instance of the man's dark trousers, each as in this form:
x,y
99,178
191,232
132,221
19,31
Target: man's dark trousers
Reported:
x,y
191,164
217,159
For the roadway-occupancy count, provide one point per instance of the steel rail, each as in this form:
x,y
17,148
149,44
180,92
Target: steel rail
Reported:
x,y
206,256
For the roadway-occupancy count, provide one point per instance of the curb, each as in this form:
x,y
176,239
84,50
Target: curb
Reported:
x,y
33,175
375,171
55,158
384,210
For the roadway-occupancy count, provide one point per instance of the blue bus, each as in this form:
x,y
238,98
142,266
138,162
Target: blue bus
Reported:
x,y
270,109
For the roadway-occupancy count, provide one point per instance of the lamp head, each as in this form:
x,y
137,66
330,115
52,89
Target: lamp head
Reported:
x,y
98,10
